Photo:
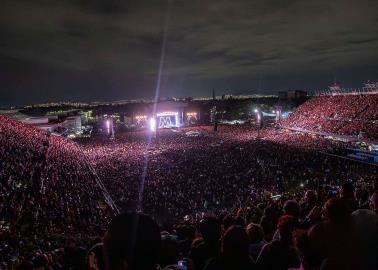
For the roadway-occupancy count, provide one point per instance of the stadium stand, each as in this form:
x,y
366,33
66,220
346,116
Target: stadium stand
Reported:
x,y
340,114
46,186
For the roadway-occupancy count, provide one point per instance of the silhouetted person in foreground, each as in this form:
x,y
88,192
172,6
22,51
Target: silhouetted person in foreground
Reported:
x,y
132,242
366,223
209,246
256,239
347,196
333,242
235,252
281,254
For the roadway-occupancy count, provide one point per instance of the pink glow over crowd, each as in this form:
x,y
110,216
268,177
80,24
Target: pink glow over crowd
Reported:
x,y
224,200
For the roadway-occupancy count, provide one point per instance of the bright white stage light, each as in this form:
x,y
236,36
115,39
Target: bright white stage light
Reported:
x,y
153,124
108,126
166,114
256,110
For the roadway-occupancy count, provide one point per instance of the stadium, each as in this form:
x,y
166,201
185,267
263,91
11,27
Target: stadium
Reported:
x,y
188,135
257,182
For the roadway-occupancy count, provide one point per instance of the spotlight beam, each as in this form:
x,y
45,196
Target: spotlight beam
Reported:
x,y
157,94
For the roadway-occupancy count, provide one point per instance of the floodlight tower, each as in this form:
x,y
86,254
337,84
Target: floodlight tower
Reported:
x,y
112,130
213,117
258,114
278,112
213,112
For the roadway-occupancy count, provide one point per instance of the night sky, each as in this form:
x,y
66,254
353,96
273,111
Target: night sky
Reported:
x,y
102,50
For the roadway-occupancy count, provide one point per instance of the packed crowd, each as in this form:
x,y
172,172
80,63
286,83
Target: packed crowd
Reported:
x,y
185,175
221,201
341,114
46,190
321,230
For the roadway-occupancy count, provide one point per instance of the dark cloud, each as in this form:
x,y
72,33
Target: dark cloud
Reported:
x,y
109,7
363,40
110,49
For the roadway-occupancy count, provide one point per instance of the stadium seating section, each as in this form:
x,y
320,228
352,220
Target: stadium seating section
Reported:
x,y
341,114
